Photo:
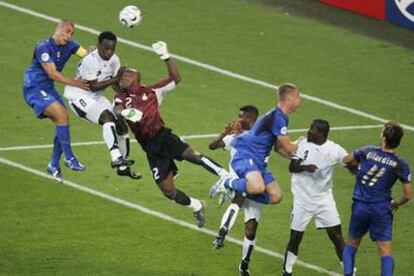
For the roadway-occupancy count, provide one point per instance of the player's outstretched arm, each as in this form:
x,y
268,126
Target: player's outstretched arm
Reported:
x,y
54,74
285,147
231,128
160,48
350,163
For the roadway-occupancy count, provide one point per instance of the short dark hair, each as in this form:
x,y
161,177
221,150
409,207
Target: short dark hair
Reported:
x,y
251,110
284,90
106,35
322,126
393,134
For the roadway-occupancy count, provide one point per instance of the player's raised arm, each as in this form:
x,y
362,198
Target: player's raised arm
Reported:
x,y
161,49
232,128
54,74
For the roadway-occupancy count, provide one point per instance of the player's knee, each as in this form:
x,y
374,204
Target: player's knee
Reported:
x,y
106,117
62,117
275,198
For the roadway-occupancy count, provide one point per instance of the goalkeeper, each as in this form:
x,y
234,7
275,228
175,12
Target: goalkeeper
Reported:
x,y
139,105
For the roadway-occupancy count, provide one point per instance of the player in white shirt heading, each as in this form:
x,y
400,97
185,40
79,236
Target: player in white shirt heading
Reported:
x,y
101,69
312,168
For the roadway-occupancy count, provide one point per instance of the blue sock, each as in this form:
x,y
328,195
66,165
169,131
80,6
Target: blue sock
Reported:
x,y
387,266
263,198
348,258
62,132
238,184
56,152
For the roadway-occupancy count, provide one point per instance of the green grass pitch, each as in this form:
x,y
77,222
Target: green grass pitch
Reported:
x,y
50,229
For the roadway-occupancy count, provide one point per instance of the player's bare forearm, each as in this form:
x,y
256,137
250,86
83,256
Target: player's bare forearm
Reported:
x,y
173,70
217,142
295,166
407,195
97,86
350,163
55,75
285,146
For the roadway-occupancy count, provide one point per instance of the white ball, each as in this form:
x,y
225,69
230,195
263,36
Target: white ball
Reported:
x,y
130,16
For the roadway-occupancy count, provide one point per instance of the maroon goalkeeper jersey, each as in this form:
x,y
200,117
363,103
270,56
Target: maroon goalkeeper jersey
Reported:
x,y
146,99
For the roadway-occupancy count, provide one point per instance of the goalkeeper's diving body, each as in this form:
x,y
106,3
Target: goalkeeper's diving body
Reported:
x,y
139,105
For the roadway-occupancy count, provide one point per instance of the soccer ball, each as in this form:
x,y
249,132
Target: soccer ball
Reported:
x,y
130,16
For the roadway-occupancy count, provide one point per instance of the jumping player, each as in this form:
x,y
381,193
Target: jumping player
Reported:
x,y
49,58
379,169
140,106
102,68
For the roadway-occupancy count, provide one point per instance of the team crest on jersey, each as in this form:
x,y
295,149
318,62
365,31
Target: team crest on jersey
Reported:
x,y
144,97
44,57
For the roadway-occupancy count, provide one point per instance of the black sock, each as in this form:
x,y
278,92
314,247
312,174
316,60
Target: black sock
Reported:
x,y
182,198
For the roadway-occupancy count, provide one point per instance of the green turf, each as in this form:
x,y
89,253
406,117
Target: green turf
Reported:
x,y
49,229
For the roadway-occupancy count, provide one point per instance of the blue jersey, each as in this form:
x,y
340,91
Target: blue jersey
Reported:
x,y
47,51
378,171
258,142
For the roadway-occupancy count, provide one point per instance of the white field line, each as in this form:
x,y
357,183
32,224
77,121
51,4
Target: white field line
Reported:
x,y
188,137
207,66
157,214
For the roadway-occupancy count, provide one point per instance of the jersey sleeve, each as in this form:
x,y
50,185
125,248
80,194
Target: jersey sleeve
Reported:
x,y
120,99
227,141
279,126
116,64
404,172
88,68
74,46
43,54
300,153
340,154
360,153
162,88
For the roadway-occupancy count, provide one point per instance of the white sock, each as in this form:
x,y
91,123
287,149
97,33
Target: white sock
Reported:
x,y
123,141
195,204
248,247
290,261
111,140
229,217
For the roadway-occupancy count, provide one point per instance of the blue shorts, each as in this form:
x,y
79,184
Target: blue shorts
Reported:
x,y
39,99
373,217
242,166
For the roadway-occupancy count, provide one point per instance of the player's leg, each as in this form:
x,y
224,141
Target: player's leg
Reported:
x,y
387,260
336,237
59,115
227,221
206,162
124,148
252,212
358,227
275,193
300,218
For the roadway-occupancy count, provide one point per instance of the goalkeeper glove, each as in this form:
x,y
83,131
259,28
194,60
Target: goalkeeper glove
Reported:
x,y
160,48
132,114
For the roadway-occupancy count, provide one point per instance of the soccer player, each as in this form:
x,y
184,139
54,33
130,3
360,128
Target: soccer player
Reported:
x,y
252,210
102,68
379,169
140,106
312,168
253,147
49,58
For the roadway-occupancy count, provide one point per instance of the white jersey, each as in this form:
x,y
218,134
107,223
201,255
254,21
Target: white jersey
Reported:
x,y
310,188
93,67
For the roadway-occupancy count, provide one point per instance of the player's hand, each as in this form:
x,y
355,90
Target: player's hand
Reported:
x,y
311,168
394,206
233,128
132,114
160,48
81,84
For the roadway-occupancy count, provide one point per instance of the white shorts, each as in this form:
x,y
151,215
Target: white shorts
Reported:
x,y
89,107
326,215
252,210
